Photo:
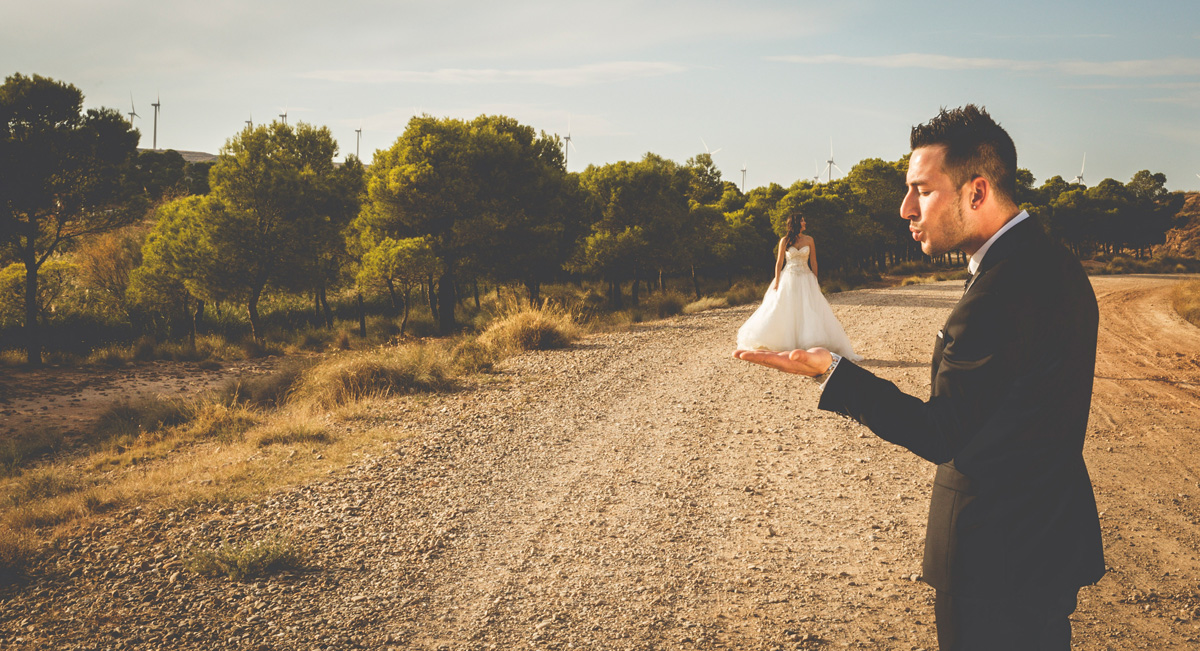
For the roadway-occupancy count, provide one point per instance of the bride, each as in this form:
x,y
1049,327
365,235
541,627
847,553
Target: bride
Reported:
x,y
794,314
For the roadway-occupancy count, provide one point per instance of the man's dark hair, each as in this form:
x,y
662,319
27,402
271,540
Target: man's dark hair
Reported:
x,y
975,146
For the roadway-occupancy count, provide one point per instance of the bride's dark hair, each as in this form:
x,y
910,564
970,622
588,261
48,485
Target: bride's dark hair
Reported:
x,y
793,228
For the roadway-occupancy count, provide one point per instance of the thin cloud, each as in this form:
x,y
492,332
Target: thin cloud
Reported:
x,y
1174,66
586,75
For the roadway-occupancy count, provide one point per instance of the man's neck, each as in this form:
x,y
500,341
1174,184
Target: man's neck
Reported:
x,y
977,254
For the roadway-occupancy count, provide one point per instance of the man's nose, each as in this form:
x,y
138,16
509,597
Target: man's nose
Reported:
x,y
909,208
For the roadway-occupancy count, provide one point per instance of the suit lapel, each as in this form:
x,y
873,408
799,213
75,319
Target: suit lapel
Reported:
x,y
1010,244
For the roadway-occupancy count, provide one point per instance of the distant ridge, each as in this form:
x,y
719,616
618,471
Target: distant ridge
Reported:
x,y
190,156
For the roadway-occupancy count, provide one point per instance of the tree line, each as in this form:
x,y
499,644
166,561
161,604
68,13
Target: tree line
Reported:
x,y
452,203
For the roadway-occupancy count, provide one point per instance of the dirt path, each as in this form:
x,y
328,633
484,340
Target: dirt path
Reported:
x,y
642,490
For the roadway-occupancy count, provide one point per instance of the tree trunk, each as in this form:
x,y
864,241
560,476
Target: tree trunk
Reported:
x,y
33,345
328,313
475,286
404,322
196,316
252,308
362,317
695,283
614,294
535,292
446,301
662,287
433,300
392,296
636,288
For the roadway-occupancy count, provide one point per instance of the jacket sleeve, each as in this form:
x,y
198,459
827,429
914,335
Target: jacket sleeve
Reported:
x,y
1000,369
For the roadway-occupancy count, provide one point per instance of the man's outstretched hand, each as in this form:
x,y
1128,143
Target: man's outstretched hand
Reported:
x,y
811,362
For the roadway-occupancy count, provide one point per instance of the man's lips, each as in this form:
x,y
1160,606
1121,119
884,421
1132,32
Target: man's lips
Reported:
x,y
916,234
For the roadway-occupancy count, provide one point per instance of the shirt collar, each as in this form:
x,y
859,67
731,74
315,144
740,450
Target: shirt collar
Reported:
x,y
977,257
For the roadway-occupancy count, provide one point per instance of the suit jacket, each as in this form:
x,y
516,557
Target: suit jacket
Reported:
x,y
1012,508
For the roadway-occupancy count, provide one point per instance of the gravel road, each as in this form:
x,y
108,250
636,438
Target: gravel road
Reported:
x,y
643,490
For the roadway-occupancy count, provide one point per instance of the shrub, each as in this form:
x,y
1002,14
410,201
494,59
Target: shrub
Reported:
x,y
744,292
665,304
241,561
473,356
543,328
350,377
267,390
110,356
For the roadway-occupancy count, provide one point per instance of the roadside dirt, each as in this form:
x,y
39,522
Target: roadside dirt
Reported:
x,y
643,490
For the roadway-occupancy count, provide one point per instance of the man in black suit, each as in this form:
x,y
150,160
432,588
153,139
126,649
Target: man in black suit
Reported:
x,y
1013,531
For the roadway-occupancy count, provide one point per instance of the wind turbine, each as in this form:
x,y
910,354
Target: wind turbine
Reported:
x,y
250,122
157,103
1079,179
284,115
358,140
706,150
743,178
567,145
817,177
132,111
831,165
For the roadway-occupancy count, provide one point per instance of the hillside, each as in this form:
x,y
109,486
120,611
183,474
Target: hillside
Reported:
x,y
1184,241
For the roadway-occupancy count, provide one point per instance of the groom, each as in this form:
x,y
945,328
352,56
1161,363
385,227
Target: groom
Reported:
x,y
1013,531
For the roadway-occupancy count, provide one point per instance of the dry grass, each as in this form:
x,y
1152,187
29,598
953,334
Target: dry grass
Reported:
x,y
350,377
290,429
19,451
706,303
1185,298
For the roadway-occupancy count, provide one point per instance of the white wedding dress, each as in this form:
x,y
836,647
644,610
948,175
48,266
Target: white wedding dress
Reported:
x,y
796,315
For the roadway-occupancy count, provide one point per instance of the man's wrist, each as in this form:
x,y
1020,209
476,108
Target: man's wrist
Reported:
x,y
820,379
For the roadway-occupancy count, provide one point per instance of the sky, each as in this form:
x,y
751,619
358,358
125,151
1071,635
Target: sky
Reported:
x,y
768,86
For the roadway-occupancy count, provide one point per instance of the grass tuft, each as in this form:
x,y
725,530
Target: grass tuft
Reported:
x,y
542,328
473,356
241,561
16,555
17,451
269,390
125,421
706,303
42,484
349,377
285,431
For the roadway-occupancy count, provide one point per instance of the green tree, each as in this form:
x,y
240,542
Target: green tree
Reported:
x,y
639,208
402,264
476,191
64,174
276,204
161,173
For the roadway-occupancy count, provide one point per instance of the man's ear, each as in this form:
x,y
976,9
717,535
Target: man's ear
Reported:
x,y
978,190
